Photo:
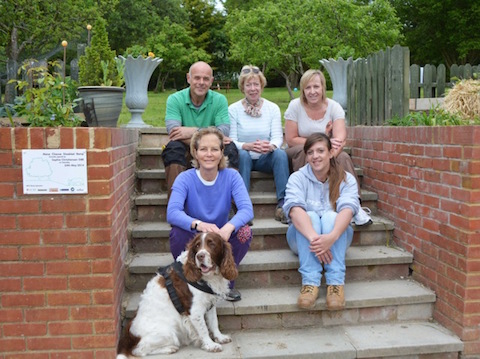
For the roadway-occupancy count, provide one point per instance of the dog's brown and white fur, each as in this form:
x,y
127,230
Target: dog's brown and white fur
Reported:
x,y
158,328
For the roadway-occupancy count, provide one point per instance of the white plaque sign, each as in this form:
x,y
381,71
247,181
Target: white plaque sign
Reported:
x,y
54,171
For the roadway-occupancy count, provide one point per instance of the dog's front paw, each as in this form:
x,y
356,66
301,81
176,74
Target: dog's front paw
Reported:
x,y
222,339
212,347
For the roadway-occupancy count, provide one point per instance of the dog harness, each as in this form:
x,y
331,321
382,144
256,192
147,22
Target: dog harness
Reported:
x,y
178,268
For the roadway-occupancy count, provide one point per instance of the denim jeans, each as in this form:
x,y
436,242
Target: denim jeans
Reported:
x,y
310,267
275,162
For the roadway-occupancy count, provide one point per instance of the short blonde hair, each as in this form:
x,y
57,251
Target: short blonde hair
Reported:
x,y
197,136
306,78
248,72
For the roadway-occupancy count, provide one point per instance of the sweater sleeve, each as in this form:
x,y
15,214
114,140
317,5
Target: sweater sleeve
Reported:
x,y
176,214
295,193
242,201
233,114
222,120
348,195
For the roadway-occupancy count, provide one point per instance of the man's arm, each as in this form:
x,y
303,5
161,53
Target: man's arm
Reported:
x,y
173,122
182,133
222,119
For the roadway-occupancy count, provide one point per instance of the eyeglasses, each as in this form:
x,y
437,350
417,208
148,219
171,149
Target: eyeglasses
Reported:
x,y
253,69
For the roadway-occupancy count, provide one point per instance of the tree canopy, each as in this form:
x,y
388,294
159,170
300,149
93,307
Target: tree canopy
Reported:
x,y
175,46
441,31
284,36
205,25
288,36
133,21
33,27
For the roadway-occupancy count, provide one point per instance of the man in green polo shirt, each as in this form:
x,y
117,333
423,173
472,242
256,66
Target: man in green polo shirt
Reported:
x,y
188,110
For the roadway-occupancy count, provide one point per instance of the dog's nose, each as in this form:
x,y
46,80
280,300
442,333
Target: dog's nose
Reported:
x,y
200,256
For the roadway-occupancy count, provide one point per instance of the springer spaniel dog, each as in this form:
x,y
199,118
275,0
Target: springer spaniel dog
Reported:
x,y
178,305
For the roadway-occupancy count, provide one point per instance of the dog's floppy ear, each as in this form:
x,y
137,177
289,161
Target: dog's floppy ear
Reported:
x,y
190,269
227,267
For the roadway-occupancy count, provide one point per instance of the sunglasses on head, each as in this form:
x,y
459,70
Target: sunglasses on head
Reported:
x,y
253,69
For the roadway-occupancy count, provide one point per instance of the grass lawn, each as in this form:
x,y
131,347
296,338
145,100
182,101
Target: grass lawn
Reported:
x,y
155,112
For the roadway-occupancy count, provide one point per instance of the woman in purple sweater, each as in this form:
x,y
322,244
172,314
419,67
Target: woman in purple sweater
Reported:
x,y
202,196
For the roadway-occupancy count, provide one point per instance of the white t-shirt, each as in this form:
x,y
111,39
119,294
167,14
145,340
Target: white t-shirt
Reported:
x,y
306,126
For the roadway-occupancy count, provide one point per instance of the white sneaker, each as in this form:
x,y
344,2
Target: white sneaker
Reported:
x,y
362,218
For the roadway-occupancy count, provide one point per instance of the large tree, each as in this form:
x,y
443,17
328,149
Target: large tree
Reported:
x,y
177,48
288,36
231,5
30,28
206,26
441,31
133,21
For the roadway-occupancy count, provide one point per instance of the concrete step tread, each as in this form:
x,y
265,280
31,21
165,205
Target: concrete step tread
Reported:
x,y
261,226
163,132
342,342
281,259
361,294
155,199
159,173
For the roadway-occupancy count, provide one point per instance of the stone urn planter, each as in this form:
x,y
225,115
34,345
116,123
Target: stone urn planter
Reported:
x,y
337,69
102,104
137,76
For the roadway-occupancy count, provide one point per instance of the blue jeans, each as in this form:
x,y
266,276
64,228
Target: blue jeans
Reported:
x,y
275,162
310,267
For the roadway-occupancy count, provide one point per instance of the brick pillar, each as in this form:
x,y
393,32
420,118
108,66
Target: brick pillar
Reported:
x,y
428,183
62,256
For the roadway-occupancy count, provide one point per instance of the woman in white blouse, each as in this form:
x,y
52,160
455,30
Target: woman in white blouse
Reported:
x,y
256,129
314,112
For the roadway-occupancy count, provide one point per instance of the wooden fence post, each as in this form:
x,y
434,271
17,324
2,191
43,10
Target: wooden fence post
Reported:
x,y
378,87
388,83
400,89
441,80
381,87
414,81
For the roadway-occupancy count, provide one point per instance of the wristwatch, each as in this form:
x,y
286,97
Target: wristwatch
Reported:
x,y
196,223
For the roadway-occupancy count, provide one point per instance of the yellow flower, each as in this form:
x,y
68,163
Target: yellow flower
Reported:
x,y
151,54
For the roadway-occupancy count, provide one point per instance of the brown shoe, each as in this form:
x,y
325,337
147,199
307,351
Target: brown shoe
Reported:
x,y
308,296
335,297
280,216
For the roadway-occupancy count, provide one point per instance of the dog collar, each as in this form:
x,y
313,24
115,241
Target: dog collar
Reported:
x,y
200,285
178,268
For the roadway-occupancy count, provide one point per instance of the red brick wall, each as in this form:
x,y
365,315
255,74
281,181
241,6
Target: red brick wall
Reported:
x,y
428,183
62,256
